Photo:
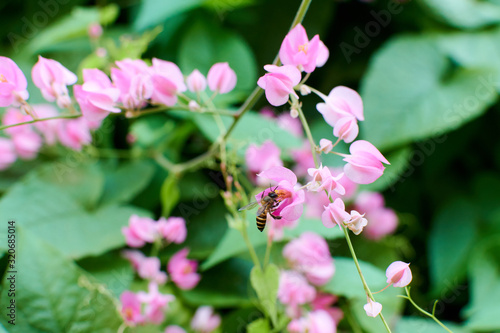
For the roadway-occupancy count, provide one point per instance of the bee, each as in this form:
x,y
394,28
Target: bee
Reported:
x,y
269,204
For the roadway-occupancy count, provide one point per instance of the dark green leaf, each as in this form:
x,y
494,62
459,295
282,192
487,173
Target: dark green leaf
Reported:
x,y
169,193
153,12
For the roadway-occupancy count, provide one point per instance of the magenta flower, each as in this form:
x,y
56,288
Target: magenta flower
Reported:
x,y
141,230
27,144
346,129
74,133
183,271
324,301
294,290
221,78
13,84
322,179
131,308
52,78
262,158
372,308
173,229
318,321
291,200
398,274
205,320
279,83
7,153
156,304
310,255
341,102
196,82
133,79
297,50
335,214
364,165
167,80
97,96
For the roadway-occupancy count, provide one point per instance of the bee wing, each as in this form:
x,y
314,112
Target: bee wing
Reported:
x,y
261,210
249,206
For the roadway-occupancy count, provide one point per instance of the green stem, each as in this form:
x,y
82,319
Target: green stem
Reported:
x,y
423,311
251,249
309,135
268,251
65,116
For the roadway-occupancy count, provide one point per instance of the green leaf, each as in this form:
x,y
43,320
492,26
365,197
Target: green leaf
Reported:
x,y
54,295
452,240
425,96
204,44
416,324
266,284
132,47
484,275
125,182
170,193
465,13
260,325
153,12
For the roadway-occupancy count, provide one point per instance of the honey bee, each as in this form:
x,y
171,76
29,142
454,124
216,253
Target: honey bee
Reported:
x,y
269,204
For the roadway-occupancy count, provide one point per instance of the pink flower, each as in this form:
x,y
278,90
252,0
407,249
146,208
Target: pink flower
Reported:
x,y
52,78
323,55
173,229
364,165
325,301
325,146
133,79
346,129
74,133
262,158
341,102
399,274
204,320
14,116
383,221
48,128
293,125
174,329
372,308
97,96
135,257
183,271
27,144
323,180
279,83
349,186
131,308
369,201
315,203
318,321
13,83
7,153
167,80
149,269
291,201
221,78
310,255
156,304
141,230
303,158
94,30
335,214
297,50
294,290
356,223
196,82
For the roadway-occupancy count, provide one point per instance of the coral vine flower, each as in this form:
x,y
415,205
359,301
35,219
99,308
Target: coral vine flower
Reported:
x,y
279,83
183,271
74,133
13,83
399,274
262,158
97,96
139,231
383,220
156,303
133,80
364,165
149,269
221,78
204,320
167,81
131,308
310,255
341,102
52,78
335,214
297,50
173,229
174,329
323,180
291,200
325,146
372,308
196,82
7,153
318,321
346,129
294,290
27,144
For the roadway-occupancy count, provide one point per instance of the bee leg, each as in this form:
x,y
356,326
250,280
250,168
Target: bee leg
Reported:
x,y
275,217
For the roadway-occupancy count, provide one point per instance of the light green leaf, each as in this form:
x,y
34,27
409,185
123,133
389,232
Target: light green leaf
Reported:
x,y
169,193
452,240
54,295
260,325
413,91
153,12
266,284
417,324
465,13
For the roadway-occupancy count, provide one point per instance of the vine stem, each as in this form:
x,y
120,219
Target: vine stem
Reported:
x,y
423,311
64,116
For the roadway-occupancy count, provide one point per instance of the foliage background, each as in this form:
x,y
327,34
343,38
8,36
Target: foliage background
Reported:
x,y
429,80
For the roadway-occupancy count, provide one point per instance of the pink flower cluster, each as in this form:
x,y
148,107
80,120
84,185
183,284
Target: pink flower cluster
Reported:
x,y
142,230
383,220
311,266
203,321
